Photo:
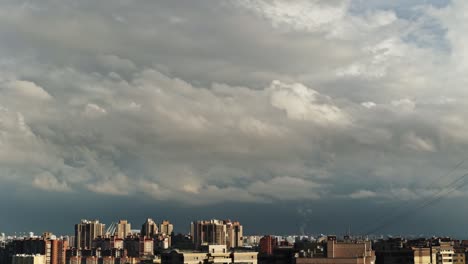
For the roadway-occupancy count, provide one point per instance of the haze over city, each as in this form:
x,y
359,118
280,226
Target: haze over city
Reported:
x,y
292,117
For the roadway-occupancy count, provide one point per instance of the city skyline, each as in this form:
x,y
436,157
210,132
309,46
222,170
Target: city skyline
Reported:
x,y
187,228
292,117
213,241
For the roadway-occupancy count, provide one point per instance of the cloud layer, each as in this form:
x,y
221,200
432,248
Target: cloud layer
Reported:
x,y
239,101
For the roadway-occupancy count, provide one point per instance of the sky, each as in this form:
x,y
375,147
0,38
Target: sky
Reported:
x,y
293,117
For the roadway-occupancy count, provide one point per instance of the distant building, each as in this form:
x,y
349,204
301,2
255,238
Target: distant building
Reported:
x,y
252,240
166,228
124,228
149,228
86,231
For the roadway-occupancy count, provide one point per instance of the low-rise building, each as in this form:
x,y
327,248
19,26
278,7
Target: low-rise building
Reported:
x,y
214,254
348,252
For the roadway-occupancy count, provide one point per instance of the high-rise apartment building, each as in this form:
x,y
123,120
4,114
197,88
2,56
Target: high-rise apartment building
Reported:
x,y
149,228
212,232
216,232
86,232
234,234
58,249
123,229
166,228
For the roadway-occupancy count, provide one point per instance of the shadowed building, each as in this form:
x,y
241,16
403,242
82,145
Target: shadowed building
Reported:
x,y
86,232
149,228
28,259
267,244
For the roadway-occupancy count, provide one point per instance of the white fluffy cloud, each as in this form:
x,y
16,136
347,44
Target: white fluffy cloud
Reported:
x,y
314,15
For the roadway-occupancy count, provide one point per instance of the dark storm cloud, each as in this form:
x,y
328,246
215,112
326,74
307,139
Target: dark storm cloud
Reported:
x,y
194,104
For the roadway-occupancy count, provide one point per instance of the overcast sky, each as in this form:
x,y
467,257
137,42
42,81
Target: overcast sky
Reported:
x,y
290,116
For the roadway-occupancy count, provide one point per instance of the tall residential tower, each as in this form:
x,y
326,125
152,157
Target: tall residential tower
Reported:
x,y
86,232
149,228
123,229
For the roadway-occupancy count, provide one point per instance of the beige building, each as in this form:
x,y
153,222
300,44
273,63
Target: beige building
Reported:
x,y
124,228
234,234
166,228
29,259
244,257
422,255
445,255
216,254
